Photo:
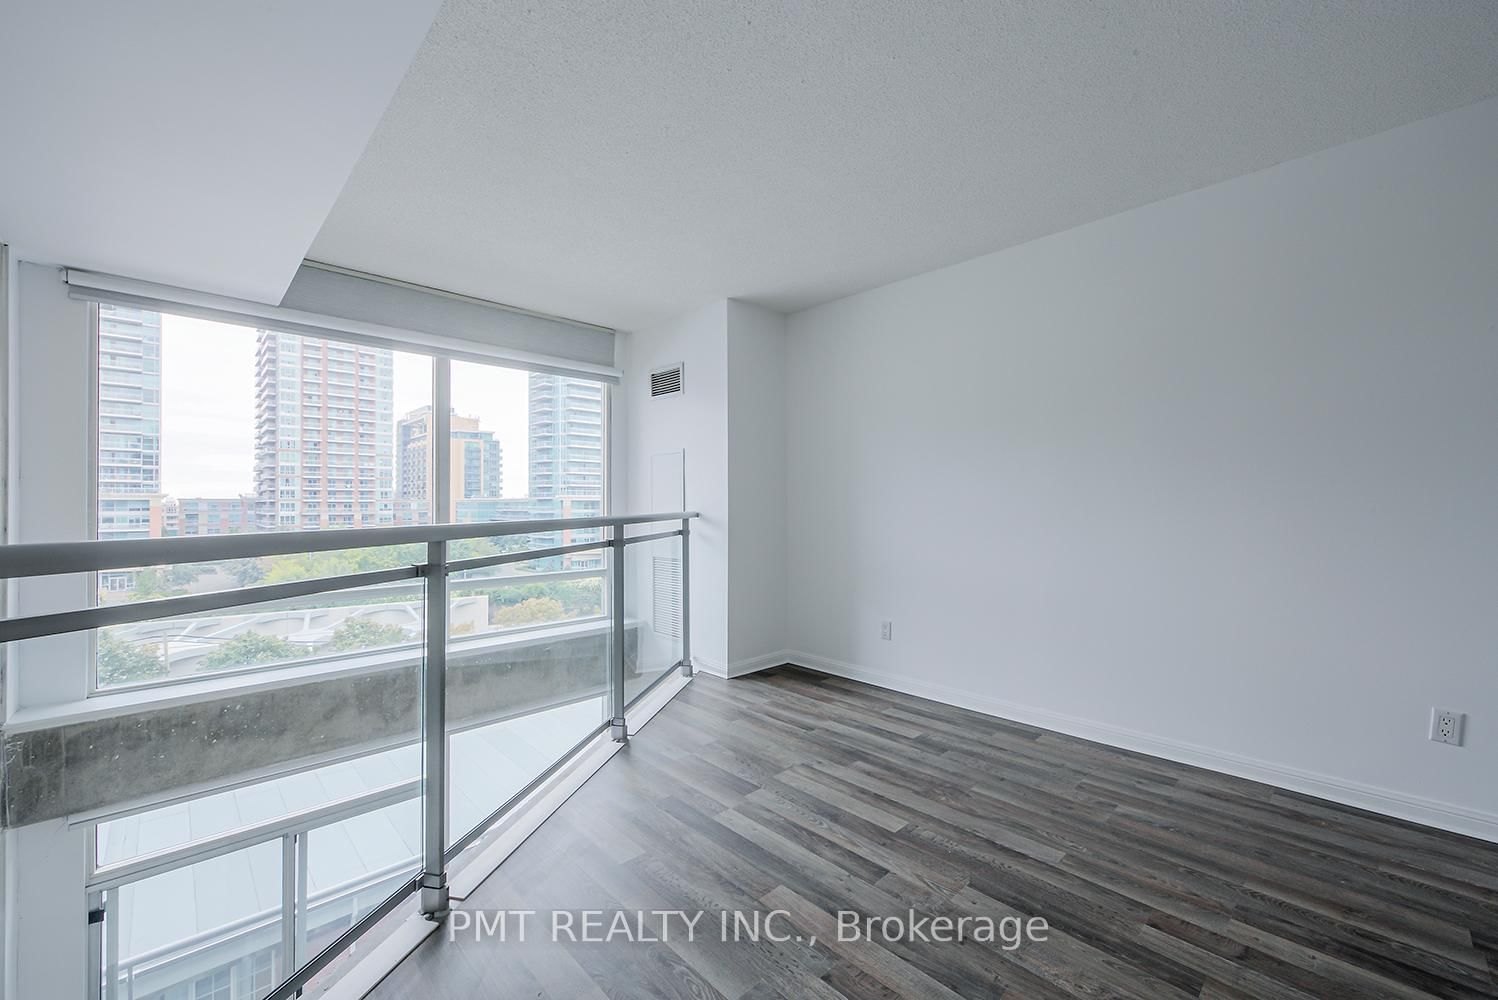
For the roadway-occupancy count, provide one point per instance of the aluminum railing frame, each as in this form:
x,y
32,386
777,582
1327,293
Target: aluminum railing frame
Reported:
x,y
58,558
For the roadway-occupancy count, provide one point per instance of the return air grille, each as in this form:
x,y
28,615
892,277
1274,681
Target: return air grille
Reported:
x,y
666,596
664,381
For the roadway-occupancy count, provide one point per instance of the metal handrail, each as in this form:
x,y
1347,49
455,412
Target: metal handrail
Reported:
x,y
436,570
54,558
18,561
60,622
529,555
111,876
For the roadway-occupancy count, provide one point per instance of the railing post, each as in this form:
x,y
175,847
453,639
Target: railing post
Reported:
x,y
686,597
434,899
299,952
98,913
618,727
293,914
112,948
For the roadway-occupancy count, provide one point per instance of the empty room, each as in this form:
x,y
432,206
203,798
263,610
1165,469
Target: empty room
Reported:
x,y
835,499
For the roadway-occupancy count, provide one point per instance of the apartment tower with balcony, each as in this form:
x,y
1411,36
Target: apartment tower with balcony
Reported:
x,y
566,438
476,467
567,456
129,423
324,451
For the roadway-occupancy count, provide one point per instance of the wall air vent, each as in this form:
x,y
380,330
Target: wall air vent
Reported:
x,y
665,595
664,381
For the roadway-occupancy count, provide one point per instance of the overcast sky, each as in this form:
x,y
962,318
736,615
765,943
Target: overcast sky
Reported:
x,y
208,407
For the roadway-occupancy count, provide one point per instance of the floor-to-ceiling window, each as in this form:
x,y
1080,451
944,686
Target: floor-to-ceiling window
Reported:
x,y
211,428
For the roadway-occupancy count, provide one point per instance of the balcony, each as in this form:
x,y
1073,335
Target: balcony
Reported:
x,y
414,705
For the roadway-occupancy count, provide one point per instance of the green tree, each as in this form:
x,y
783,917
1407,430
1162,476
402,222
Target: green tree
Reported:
x,y
577,597
473,548
246,572
163,581
121,662
580,597
250,648
364,633
183,574
316,565
531,611
149,583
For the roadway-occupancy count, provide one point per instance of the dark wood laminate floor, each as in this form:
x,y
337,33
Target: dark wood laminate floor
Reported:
x,y
794,791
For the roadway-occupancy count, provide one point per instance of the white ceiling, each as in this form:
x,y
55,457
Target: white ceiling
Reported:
x,y
197,144
620,163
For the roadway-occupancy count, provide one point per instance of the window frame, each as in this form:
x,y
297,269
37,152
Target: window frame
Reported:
x,y
441,394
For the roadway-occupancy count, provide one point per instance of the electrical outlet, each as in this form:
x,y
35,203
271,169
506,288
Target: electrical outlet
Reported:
x,y
886,630
1446,726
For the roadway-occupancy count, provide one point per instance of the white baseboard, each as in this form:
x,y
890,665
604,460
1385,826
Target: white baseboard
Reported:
x,y
1401,805
702,664
738,668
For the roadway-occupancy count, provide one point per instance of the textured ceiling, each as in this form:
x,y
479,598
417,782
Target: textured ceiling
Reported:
x,y
620,163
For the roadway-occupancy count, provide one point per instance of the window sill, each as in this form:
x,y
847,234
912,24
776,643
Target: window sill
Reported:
x,y
109,704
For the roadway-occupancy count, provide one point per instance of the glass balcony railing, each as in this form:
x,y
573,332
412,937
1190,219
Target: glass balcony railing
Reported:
x,y
376,700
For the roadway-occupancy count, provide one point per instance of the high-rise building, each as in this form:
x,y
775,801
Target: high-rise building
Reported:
x,y
479,509
129,423
324,454
566,440
413,435
188,516
566,459
408,512
475,462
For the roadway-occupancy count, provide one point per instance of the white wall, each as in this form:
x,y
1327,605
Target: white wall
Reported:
x,y
46,375
46,952
730,420
7,278
695,421
1216,478
756,487
50,383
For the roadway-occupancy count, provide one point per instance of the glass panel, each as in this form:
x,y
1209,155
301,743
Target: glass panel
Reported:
x,y
353,866
184,579
181,824
210,929
652,609
526,596
215,429
527,679
487,447
318,631
349,791
525,445
494,760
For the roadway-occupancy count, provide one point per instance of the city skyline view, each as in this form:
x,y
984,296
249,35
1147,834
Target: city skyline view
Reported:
x,y
212,428
208,398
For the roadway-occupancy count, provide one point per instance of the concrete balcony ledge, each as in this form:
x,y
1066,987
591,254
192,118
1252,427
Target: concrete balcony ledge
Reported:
x,y
167,742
